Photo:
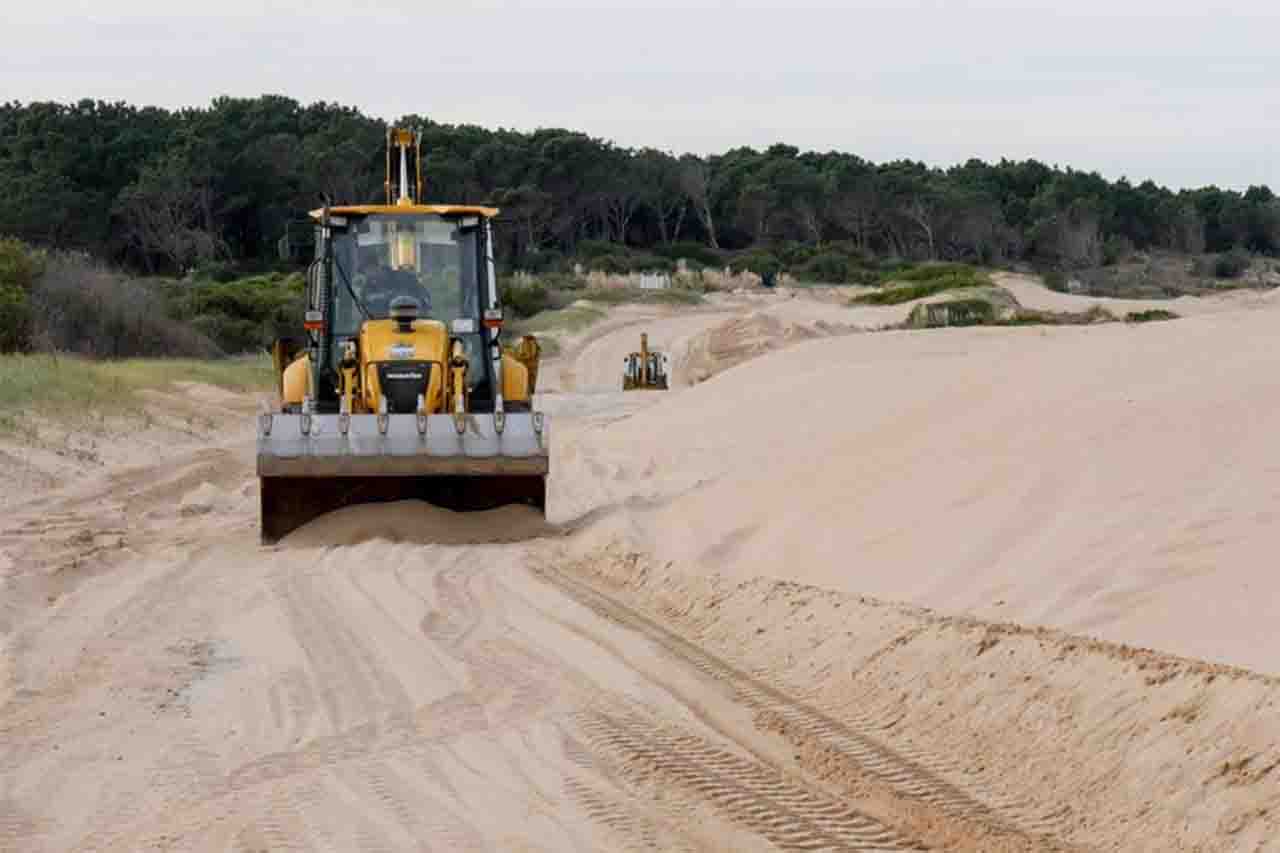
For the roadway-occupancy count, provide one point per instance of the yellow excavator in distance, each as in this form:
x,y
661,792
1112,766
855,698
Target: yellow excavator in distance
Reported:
x,y
645,370
402,387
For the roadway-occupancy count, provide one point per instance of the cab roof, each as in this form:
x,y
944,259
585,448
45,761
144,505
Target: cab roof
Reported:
x,y
408,210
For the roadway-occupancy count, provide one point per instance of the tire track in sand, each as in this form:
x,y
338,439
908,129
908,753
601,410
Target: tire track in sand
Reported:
x,y
748,793
837,753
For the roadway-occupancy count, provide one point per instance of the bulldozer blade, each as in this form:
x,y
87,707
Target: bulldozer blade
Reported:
x,y
309,465
291,502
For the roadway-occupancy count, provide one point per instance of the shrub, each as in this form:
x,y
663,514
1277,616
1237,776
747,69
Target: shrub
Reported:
x,y
69,303
618,259
863,276
20,267
1115,250
588,250
561,281
826,267
15,319
1056,280
759,261
931,273
794,254
245,315
542,261
1149,316
219,271
926,281
524,300
229,271
1232,264
695,253
621,263
232,334
82,307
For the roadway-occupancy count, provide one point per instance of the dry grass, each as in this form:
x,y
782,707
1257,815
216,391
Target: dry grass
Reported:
x,y
549,325
62,386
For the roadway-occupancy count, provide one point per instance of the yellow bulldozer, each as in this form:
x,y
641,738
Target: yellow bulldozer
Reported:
x,y
645,370
402,386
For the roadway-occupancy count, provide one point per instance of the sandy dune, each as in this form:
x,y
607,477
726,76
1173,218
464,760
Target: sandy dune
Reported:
x,y
1031,293
684,656
1114,480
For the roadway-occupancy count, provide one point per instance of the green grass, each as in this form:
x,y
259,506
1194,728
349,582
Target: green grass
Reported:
x,y
65,385
924,281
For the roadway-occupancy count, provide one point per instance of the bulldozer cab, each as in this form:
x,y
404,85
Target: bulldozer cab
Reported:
x,y
438,261
428,257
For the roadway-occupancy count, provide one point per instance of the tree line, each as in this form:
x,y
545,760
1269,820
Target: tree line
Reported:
x,y
162,191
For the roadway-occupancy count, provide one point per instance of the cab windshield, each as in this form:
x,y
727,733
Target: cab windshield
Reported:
x,y
429,258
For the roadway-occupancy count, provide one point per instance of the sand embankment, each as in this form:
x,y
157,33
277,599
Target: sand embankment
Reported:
x,y
1114,480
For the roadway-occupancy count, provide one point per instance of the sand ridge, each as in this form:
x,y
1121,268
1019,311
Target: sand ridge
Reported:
x,y
1111,480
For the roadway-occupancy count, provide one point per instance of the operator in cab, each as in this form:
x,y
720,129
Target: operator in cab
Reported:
x,y
385,283
396,274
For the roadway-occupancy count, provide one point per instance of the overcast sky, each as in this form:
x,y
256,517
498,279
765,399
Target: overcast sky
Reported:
x,y
1165,89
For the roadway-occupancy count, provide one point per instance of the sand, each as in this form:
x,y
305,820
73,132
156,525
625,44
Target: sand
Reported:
x,y
839,589
1114,480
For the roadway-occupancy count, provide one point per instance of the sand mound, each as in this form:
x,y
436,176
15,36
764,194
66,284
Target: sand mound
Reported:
x,y
419,523
1031,293
1112,747
743,338
1104,480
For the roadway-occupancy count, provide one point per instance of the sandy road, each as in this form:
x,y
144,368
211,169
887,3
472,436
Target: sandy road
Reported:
x,y
204,693
394,678
593,363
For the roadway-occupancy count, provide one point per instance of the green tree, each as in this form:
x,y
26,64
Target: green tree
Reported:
x,y
161,217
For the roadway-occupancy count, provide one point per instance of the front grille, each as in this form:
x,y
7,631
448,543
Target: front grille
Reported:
x,y
402,382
